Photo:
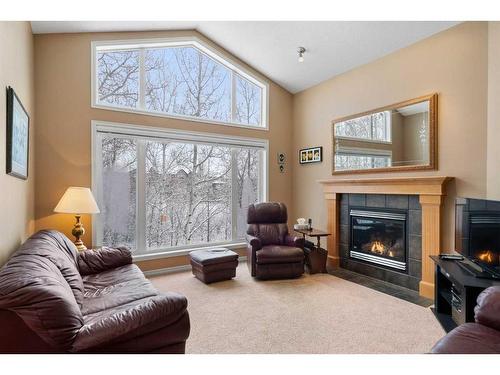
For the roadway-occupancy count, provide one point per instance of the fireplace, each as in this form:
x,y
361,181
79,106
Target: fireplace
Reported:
x,y
478,232
379,237
485,238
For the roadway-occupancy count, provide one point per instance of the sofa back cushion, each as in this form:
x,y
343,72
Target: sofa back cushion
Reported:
x,y
42,285
268,222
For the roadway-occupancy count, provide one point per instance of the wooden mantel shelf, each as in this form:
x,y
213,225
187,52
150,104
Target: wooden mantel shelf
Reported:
x,y
430,191
394,185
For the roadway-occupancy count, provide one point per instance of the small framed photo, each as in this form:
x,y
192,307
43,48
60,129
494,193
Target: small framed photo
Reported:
x,y
311,155
17,136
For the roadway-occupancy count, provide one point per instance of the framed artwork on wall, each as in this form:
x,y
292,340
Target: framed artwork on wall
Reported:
x,y
17,136
311,155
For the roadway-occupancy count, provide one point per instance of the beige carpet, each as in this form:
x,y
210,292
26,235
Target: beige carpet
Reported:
x,y
314,314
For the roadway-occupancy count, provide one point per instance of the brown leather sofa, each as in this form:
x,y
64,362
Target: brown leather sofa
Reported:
x,y
54,299
481,337
271,252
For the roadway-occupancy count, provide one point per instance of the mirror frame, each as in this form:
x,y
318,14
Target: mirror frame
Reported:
x,y
433,137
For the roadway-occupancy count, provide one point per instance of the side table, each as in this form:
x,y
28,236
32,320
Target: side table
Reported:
x,y
316,256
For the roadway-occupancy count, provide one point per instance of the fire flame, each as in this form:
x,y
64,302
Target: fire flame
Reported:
x,y
486,256
378,247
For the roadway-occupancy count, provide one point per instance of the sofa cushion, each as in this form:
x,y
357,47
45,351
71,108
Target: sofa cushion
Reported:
x,y
124,321
107,290
279,254
469,338
94,261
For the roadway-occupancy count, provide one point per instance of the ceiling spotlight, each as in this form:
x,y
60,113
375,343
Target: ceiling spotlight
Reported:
x,y
301,51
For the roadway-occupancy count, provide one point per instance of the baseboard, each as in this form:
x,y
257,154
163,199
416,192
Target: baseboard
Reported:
x,y
186,267
164,271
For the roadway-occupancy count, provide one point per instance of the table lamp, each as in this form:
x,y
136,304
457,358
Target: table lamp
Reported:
x,y
77,200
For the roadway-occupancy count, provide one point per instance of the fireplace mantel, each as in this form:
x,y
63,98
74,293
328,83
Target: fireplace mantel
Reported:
x,y
430,190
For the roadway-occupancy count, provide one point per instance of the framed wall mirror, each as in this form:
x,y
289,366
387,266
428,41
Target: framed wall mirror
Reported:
x,y
398,137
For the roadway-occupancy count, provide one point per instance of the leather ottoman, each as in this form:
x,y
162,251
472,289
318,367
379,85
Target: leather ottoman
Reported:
x,y
214,264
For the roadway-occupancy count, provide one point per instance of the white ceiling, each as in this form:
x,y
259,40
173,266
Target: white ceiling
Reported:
x,y
333,47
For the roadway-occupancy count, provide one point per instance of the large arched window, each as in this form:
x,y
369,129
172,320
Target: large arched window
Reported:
x,y
176,77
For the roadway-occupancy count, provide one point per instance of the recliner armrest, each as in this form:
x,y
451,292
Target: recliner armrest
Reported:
x,y
103,259
254,242
487,310
294,241
168,306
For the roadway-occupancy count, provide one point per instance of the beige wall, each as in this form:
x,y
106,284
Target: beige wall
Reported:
x,y
64,116
493,181
16,195
453,64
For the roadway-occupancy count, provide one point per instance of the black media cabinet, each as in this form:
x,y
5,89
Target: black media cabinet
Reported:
x,y
455,292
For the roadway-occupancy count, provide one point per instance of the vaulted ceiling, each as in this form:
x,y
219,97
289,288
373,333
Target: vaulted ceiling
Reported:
x,y
332,47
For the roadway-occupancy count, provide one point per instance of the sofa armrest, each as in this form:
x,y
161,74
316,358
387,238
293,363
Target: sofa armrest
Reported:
x,y
487,310
167,306
294,241
105,258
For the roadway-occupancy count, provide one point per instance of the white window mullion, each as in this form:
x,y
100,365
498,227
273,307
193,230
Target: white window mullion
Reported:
x,y
234,194
233,96
262,193
141,196
97,187
142,79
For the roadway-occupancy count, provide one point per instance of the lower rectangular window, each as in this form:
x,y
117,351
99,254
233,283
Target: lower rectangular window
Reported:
x,y
168,191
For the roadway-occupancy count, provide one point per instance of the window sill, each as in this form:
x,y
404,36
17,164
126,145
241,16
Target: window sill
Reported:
x,y
185,251
177,117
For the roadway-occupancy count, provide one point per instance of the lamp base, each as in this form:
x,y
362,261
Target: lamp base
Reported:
x,y
79,245
78,231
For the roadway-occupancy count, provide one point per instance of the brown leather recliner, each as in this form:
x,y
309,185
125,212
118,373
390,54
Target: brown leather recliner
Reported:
x,y
271,252
481,337
54,299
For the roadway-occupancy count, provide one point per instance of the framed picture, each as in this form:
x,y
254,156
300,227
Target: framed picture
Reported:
x,y
17,136
311,155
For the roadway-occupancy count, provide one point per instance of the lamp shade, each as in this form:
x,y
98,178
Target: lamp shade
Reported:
x,y
77,200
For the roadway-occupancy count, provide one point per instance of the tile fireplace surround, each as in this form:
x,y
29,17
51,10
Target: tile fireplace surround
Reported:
x,y
430,190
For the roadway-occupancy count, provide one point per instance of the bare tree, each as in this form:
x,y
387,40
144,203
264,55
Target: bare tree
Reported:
x,y
205,85
118,77
162,83
247,102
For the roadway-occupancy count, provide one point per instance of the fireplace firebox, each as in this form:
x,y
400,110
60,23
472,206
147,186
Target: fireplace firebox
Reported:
x,y
379,237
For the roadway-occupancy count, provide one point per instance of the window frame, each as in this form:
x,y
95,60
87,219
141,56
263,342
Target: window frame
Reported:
x,y
188,41
154,133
